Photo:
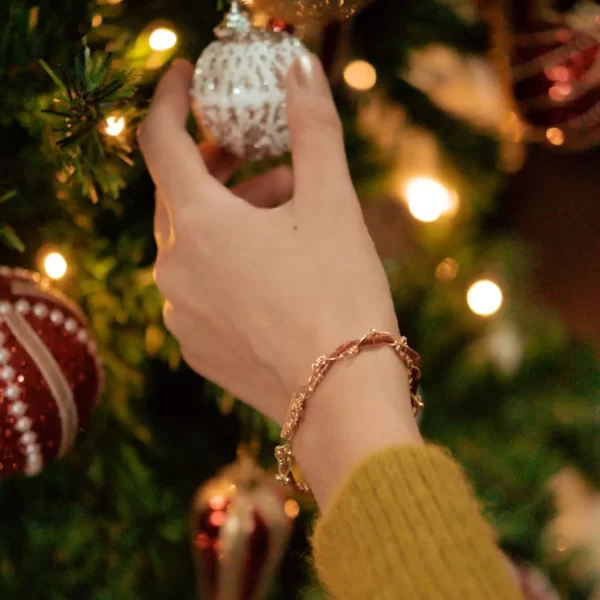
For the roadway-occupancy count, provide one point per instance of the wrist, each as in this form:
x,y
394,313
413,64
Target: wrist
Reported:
x,y
362,406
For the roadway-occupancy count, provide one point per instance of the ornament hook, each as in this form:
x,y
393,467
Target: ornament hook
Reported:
x,y
237,20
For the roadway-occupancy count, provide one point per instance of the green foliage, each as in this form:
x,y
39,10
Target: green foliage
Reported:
x,y
88,93
110,522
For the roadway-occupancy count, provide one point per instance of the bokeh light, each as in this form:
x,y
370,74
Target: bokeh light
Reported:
x,y
360,75
55,265
115,125
485,297
162,38
428,199
555,136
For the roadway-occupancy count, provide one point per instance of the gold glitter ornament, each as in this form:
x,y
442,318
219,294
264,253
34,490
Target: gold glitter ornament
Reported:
x,y
239,94
307,11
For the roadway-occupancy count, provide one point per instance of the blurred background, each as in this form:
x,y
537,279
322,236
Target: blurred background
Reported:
x,y
473,135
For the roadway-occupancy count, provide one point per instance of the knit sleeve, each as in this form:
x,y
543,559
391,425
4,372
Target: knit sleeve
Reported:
x,y
406,525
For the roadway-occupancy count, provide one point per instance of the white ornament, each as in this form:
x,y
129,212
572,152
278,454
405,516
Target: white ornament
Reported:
x,y
239,92
5,307
4,355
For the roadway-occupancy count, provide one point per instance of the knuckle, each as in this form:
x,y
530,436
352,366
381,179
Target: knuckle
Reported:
x,y
163,277
322,116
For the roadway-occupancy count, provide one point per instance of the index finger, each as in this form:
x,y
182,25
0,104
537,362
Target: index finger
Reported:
x,y
171,153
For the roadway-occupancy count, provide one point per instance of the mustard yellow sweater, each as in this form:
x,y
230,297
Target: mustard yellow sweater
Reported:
x,y
406,526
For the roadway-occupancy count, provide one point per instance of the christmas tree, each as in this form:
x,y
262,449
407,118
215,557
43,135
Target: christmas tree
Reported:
x,y
432,134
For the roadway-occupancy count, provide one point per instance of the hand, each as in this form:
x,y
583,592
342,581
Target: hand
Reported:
x,y
255,295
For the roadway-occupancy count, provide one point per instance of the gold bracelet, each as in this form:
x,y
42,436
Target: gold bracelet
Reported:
x,y
284,453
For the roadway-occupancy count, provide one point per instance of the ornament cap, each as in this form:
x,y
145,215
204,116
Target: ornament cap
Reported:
x,y
236,21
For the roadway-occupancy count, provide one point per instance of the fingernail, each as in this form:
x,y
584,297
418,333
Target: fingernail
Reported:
x,y
309,75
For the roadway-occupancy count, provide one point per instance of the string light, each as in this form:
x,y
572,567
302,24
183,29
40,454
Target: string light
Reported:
x,y
447,270
485,297
115,125
162,38
428,199
555,136
97,21
360,75
55,265
291,509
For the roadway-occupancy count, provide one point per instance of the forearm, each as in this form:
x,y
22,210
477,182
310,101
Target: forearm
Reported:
x,y
400,519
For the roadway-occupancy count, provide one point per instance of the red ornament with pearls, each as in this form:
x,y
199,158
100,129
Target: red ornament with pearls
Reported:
x,y
50,374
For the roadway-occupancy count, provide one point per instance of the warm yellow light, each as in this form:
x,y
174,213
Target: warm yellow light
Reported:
x,y
163,38
555,136
55,265
115,125
447,270
360,75
485,297
291,509
97,21
428,199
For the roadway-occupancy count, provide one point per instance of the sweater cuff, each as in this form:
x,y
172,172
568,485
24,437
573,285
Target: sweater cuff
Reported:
x,y
406,525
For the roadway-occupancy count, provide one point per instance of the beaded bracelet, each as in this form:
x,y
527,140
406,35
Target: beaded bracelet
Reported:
x,y
284,453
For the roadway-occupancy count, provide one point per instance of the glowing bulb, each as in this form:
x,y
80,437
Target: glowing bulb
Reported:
x,y
162,38
428,199
291,509
115,125
447,270
97,21
555,136
55,265
485,297
360,75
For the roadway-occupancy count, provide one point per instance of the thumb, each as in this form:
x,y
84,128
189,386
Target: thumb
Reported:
x,y
316,134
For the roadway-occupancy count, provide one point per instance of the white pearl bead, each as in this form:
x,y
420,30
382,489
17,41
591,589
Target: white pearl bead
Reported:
x,y
23,424
7,373
34,465
57,317
32,449
5,307
82,335
12,392
22,307
71,325
40,310
4,355
29,438
18,409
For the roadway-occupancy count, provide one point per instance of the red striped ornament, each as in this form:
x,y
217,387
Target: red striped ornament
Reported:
x,y
240,532
50,373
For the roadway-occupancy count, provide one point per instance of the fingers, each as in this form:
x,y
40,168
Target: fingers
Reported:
x,y
221,164
315,128
269,189
170,152
162,223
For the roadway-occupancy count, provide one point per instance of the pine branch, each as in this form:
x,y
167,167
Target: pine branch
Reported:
x,y
87,94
